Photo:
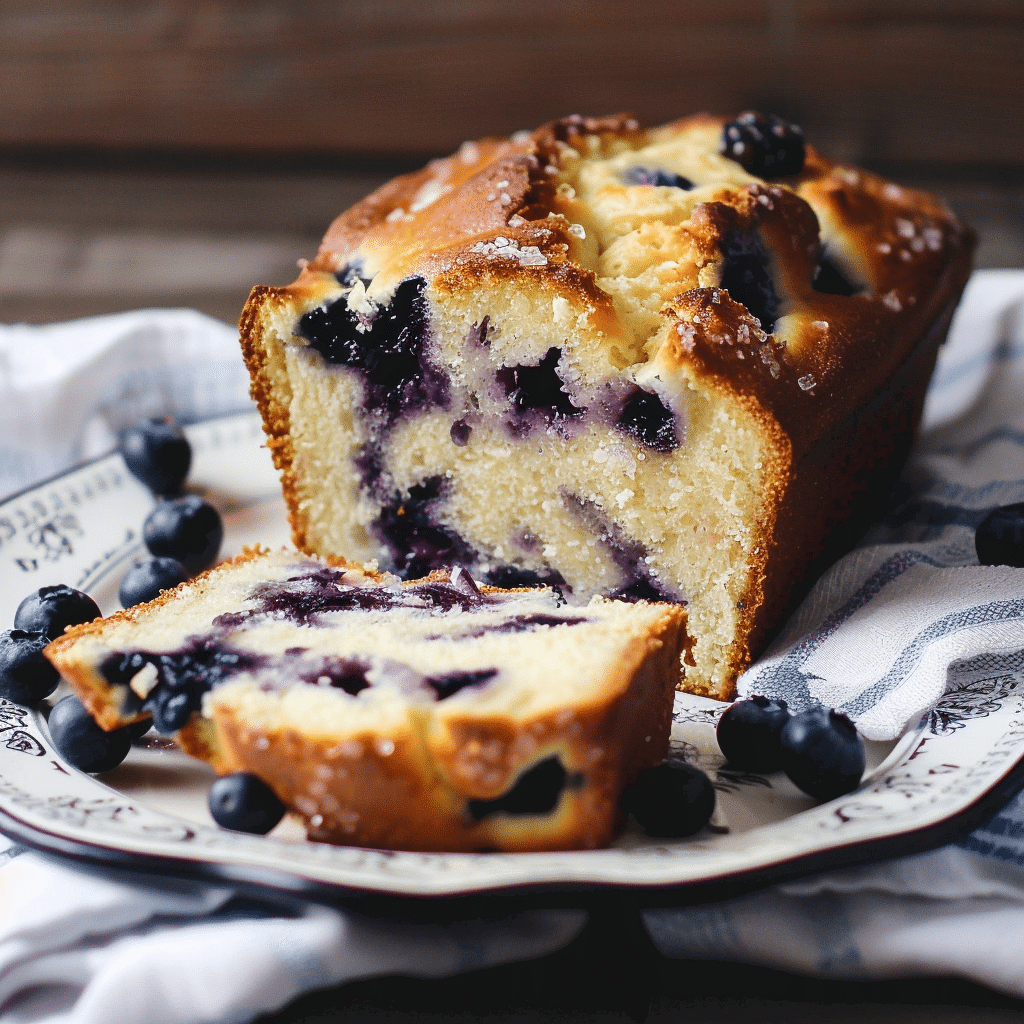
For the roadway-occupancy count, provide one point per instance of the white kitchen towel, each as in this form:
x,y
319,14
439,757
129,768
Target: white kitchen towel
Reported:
x,y
957,912
92,947
68,390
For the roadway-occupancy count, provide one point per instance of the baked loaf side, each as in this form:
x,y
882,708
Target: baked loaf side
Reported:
x,y
429,715
612,360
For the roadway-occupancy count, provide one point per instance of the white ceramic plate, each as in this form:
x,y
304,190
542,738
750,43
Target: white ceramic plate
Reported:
x,y
83,528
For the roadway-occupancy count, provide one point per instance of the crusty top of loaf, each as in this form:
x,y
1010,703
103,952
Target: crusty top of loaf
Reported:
x,y
549,210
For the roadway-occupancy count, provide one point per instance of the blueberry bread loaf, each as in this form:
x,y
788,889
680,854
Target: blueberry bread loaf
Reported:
x,y
683,363
427,715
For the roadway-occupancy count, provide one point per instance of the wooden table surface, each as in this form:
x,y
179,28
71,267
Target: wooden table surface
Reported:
x,y
87,235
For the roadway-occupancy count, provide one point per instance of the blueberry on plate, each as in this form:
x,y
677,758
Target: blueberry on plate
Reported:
x,y
26,677
144,580
81,742
671,800
748,734
245,803
157,453
764,144
188,529
999,538
50,610
822,753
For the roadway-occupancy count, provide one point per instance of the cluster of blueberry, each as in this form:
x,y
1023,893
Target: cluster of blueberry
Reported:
x,y
183,533
819,749
26,677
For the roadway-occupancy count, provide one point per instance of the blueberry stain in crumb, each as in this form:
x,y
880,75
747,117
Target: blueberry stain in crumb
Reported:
x,y
460,433
181,678
510,577
630,557
538,389
830,279
646,418
387,348
351,273
416,542
305,598
346,674
514,624
643,588
450,683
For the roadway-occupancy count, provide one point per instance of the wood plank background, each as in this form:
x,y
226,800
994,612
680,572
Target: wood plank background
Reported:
x,y
925,80
175,152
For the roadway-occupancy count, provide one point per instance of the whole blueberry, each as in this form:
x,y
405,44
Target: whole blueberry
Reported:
x,y
81,742
245,803
144,580
999,538
822,753
187,528
764,144
50,610
157,453
26,677
136,730
671,800
748,734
